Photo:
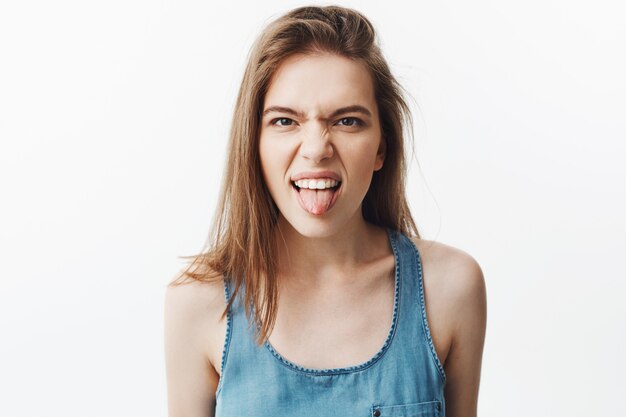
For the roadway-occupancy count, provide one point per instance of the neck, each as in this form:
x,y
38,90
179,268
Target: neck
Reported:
x,y
330,259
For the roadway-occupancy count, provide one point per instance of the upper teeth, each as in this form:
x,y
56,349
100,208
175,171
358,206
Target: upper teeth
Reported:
x,y
316,184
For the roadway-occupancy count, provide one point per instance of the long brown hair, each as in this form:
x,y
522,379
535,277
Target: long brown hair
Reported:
x,y
241,246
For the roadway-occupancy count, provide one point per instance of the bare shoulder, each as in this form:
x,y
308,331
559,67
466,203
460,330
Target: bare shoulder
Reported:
x,y
194,332
198,307
195,300
451,269
455,294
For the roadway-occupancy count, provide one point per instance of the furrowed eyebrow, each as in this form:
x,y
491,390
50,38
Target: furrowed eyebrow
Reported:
x,y
349,109
280,109
352,109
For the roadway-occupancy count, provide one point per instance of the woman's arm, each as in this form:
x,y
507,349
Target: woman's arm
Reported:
x,y
468,301
456,305
191,310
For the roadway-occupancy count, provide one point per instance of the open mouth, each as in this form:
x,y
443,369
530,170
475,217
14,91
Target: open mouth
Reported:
x,y
317,196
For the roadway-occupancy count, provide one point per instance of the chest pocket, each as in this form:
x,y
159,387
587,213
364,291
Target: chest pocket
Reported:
x,y
425,409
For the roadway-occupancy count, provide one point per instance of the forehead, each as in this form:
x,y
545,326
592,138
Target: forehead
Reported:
x,y
320,81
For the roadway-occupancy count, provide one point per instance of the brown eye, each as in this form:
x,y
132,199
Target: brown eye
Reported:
x,y
350,121
282,121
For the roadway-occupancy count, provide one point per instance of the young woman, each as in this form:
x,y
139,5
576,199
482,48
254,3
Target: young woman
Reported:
x,y
316,296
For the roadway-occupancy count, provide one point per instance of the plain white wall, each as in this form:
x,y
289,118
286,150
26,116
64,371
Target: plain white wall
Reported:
x,y
113,124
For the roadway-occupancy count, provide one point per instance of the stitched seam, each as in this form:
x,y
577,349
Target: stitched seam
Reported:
x,y
226,340
426,407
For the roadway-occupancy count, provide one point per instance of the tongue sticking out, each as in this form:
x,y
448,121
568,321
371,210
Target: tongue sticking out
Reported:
x,y
316,201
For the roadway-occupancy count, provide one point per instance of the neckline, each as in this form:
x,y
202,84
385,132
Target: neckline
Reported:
x,y
355,368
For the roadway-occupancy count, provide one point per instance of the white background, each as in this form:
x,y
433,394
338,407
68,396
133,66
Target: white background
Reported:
x,y
113,125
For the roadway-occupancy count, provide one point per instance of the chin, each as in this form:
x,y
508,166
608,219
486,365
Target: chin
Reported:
x,y
314,228
315,231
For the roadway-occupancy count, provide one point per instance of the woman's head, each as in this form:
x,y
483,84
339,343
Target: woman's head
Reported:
x,y
319,143
242,244
330,30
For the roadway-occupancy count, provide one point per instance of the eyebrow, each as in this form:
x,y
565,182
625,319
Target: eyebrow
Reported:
x,y
356,108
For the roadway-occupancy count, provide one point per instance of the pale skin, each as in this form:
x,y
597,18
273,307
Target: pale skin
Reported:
x,y
337,265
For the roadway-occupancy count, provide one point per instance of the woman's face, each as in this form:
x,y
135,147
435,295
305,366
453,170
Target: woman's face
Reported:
x,y
320,142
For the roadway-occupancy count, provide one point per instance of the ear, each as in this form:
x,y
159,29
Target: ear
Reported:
x,y
380,155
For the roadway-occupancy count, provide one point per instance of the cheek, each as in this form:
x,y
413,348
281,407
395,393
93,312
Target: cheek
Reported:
x,y
274,159
366,158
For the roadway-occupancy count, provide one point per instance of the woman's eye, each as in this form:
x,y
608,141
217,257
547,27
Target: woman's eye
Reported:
x,y
350,121
282,121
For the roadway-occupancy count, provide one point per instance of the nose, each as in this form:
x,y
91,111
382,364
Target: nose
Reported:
x,y
316,145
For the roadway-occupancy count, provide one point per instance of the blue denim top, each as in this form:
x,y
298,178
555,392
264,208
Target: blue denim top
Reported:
x,y
403,379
